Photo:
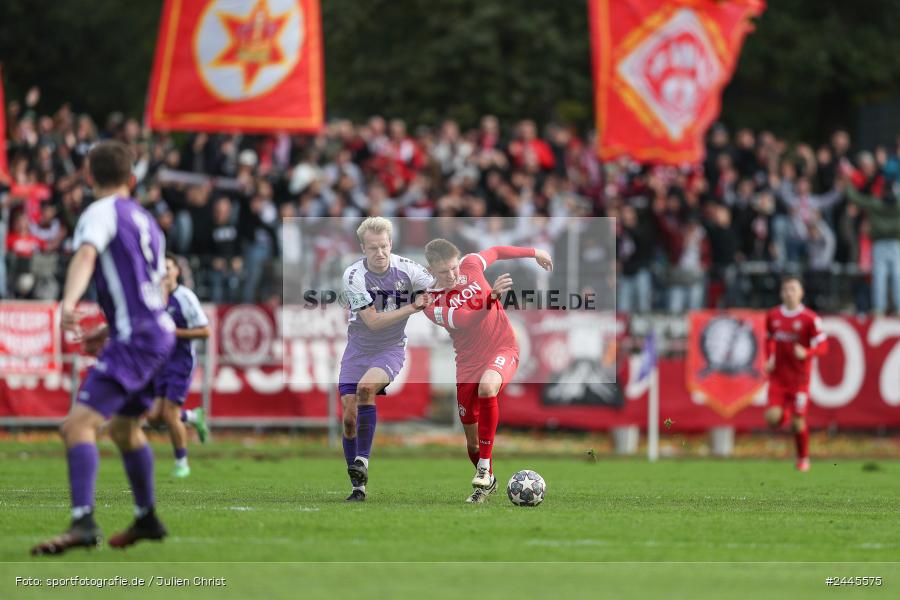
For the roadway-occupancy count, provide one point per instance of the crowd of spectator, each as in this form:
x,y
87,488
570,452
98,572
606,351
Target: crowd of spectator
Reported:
x,y
711,235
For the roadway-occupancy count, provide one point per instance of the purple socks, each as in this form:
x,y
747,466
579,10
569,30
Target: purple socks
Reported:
x,y
83,460
361,445
139,468
180,453
365,429
349,450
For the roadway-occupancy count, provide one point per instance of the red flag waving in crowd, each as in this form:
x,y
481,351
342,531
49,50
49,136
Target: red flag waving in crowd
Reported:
x,y
232,64
659,69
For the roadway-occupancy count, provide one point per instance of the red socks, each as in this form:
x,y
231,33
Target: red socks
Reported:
x,y
802,441
488,417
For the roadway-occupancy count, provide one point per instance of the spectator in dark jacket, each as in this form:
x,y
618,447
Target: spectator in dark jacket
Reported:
x,y
687,248
755,227
634,246
223,253
257,220
723,243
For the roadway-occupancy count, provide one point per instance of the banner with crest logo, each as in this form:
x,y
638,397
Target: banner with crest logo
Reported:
x,y
726,358
659,70
229,65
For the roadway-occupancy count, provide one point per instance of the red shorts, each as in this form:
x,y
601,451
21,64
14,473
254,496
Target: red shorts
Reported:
x,y
792,400
504,362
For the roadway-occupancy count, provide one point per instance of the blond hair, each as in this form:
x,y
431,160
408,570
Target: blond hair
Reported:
x,y
440,250
375,225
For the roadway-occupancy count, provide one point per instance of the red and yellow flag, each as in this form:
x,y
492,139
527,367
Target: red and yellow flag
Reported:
x,y
659,69
248,65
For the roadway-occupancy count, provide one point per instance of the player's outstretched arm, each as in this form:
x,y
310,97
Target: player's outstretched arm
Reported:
x,y
193,333
496,253
375,320
81,268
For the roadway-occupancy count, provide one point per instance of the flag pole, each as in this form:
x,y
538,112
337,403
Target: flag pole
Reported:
x,y
653,416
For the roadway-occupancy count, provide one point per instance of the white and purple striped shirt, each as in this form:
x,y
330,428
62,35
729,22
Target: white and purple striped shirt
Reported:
x,y
130,266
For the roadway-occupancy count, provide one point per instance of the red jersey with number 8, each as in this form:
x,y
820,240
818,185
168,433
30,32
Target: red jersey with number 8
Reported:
x,y
480,330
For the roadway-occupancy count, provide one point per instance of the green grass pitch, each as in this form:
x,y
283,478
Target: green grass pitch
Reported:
x,y
614,528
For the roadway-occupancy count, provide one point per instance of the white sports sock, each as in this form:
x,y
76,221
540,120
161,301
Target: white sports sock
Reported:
x,y
359,487
365,461
484,463
181,462
80,511
189,416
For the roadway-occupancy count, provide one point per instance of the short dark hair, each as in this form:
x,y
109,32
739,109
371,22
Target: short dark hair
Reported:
x,y
110,164
175,259
440,250
788,278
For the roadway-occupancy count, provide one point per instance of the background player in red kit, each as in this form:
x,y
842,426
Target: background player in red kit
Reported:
x,y
793,337
487,353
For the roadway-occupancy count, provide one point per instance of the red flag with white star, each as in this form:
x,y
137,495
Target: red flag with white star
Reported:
x,y
238,65
659,70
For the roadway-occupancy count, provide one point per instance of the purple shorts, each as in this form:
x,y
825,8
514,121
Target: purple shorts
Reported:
x,y
356,362
173,387
121,381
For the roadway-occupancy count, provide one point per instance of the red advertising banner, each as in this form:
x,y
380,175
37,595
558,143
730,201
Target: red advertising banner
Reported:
x,y
659,70
856,385
222,65
29,338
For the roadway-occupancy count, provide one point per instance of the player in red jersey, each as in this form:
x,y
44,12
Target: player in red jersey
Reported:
x,y
793,337
487,353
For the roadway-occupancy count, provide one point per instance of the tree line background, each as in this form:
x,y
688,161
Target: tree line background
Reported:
x,y
806,70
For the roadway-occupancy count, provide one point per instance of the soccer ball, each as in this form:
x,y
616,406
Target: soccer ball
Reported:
x,y
526,488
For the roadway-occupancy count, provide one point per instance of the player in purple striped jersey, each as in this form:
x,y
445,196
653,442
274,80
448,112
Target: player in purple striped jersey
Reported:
x,y
174,382
118,245
381,290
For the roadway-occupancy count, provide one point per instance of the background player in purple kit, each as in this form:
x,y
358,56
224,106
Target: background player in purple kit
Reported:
x,y
172,385
381,292
121,247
